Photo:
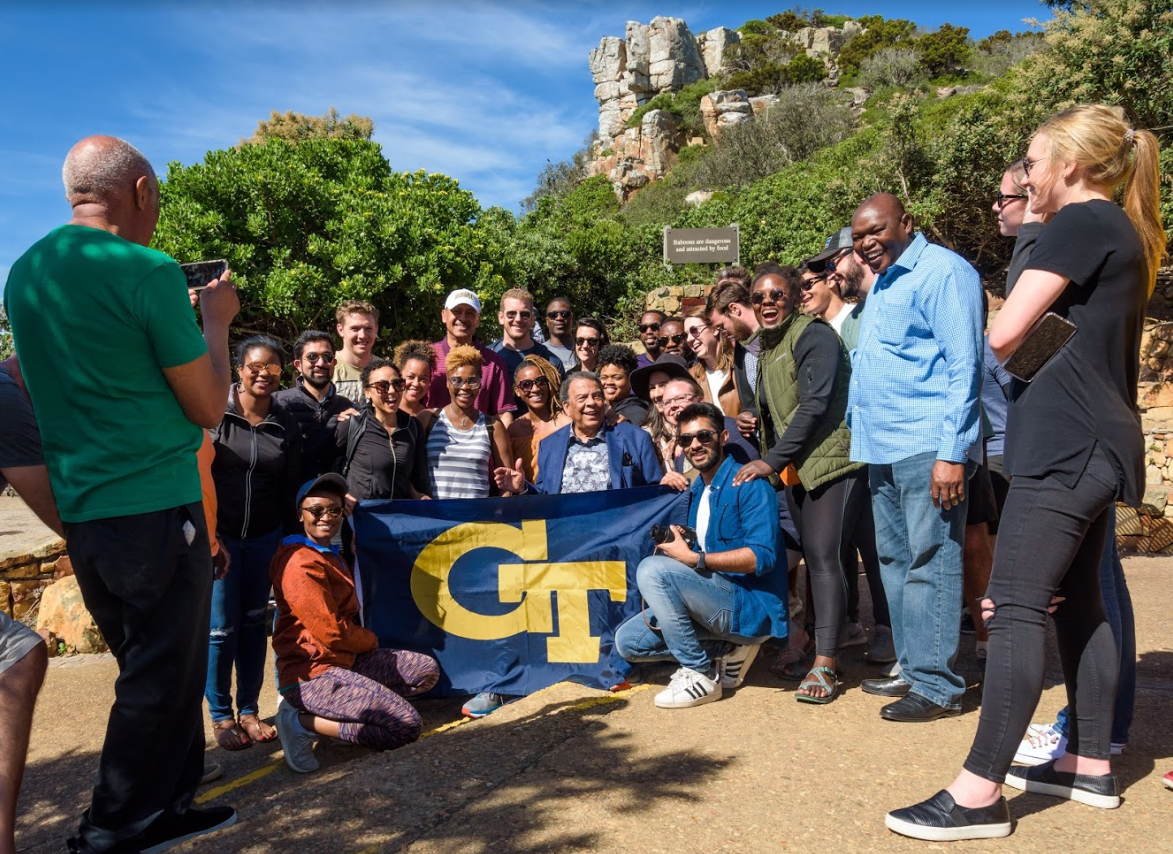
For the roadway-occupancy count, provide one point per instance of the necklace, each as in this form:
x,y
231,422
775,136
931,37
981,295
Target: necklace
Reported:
x,y
463,418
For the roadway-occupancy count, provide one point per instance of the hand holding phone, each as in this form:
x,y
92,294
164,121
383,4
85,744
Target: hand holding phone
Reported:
x,y
219,302
200,274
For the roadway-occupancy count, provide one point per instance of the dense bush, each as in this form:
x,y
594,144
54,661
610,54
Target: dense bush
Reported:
x,y
944,51
685,105
879,34
892,67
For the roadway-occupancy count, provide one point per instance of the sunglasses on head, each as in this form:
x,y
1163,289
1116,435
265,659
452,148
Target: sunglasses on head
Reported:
x,y
705,437
323,511
678,338
1003,199
524,315
384,386
258,368
586,342
648,327
540,382
774,295
314,358
557,315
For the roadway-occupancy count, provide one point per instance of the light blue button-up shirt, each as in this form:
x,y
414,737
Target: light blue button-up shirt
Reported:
x,y
915,374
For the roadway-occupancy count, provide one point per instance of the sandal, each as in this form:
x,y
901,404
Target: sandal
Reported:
x,y
257,729
794,661
230,736
819,680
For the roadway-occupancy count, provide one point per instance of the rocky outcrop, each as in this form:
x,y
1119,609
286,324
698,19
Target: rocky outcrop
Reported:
x,y
714,46
673,58
723,109
63,618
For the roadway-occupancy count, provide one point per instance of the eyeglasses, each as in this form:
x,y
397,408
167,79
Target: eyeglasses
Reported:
x,y
557,315
774,295
807,284
586,342
706,437
678,338
1027,165
648,327
314,358
680,398
323,511
461,382
541,382
1006,198
524,315
257,369
698,331
384,386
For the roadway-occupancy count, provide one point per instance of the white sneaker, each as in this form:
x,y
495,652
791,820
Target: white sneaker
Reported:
x,y
296,740
689,688
735,665
1045,742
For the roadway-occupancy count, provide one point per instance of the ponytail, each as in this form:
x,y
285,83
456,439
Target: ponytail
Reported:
x,y
1142,201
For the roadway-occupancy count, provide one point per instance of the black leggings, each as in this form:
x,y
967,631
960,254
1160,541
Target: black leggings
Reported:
x,y
826,519
864,540
1050,544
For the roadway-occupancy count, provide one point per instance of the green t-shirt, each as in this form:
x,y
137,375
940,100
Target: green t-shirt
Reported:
x,y
95,319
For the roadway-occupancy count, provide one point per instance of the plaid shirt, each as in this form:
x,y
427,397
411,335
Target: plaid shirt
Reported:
x,y
915,378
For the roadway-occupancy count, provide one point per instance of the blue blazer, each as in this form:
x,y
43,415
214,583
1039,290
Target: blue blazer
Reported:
x,y
630,454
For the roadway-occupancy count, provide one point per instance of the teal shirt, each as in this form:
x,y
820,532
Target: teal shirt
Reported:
x,y
95,319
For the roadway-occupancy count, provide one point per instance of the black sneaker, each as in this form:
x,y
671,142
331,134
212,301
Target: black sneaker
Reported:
x,y
1101,791
170,831
940,819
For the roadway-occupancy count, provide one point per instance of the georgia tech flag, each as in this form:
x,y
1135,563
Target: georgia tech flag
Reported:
x,y
509,594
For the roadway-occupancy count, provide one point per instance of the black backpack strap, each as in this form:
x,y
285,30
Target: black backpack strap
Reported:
x,y
354,430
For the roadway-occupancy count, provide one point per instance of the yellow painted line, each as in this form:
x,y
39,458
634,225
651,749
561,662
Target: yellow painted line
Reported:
x,y
250,777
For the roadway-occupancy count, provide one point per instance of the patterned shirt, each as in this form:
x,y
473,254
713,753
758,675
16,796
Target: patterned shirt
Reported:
x,y
459,460
588,467
915,374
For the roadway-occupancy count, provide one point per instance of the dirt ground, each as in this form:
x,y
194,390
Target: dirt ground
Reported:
x,y
571,769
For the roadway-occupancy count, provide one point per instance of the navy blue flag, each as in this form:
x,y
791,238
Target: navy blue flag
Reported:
x,y
510,595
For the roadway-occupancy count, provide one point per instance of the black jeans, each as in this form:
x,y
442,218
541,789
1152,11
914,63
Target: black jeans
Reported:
x,y
826,519
863,542
1050,544
147,581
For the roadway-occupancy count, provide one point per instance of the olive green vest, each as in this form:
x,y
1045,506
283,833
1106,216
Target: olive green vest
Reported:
x,y
827,456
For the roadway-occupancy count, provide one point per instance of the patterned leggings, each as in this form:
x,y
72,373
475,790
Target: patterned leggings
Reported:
x,y
367,700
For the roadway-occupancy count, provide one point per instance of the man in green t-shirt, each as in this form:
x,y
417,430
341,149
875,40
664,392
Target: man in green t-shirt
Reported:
x,y
122,381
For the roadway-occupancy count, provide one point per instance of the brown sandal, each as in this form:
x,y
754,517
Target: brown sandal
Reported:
x,y
230,736
257,729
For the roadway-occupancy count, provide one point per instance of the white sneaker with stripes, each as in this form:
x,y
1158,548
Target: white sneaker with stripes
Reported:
x,y
735,665
690,688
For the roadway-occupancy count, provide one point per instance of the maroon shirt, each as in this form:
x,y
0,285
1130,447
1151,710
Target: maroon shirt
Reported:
x,y
496,394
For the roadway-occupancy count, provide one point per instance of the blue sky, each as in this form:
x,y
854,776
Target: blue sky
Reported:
x,y
484,92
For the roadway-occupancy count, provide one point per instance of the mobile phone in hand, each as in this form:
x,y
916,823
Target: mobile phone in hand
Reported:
x,y
1044,340
202,273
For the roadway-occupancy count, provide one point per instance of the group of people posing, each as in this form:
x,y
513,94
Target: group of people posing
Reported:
x,y
851,408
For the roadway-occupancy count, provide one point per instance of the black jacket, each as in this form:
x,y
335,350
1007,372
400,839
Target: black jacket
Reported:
x,y
377,465
257,471
316,422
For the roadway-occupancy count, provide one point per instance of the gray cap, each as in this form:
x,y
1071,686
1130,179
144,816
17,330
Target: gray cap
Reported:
x,y
835,244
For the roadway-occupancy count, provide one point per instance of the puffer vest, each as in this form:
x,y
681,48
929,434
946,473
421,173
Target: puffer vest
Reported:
x,y
827,455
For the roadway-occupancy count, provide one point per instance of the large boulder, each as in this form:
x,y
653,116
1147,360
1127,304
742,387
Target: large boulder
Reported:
x,y
638,75
658,142
713,46
673,58
64,614
723,108
609,60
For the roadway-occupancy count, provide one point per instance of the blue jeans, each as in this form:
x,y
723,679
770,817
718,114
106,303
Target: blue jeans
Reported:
x,y
237,633
919,547
692,613
1118,610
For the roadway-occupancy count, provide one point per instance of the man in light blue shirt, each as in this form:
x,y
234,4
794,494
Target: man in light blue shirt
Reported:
x,y
914,418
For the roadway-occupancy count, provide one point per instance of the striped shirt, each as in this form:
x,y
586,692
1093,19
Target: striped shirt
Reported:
x,y
458,460
915,372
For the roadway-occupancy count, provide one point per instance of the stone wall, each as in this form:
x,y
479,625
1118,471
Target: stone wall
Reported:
x,y
23,577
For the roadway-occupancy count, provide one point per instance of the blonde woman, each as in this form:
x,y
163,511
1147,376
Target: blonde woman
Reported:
x,y
1073,447
713,369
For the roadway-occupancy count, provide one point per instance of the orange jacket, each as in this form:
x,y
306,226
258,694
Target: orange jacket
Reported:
x,y
317,607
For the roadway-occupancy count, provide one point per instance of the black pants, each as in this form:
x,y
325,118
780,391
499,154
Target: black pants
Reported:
x,y
147,581
826,519
863,543
1050,544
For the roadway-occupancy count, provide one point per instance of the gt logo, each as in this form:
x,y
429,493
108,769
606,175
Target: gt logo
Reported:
x,y
532,584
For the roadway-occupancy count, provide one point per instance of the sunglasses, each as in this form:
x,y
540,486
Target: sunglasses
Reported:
x,y
678,338
706,437
557,315
648,327
314,358
540,382
384,386
807,284
586,342
773,295
833,263
320,511
257,369
1027,165
524,315
461,382
1004,199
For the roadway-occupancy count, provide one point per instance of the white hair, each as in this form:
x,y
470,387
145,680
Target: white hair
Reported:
x,y
100,167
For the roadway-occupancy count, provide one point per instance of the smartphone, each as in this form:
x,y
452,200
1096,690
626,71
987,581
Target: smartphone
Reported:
x,y
202,273
1039,347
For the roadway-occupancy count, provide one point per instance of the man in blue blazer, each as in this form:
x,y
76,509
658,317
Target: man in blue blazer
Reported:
x,y
588,455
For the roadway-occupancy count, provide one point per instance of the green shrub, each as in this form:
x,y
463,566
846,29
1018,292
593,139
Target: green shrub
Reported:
x,y
892,67
684,104
879,34
944,51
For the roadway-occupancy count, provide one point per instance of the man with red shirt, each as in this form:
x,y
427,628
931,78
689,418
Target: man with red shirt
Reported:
x,y
462,316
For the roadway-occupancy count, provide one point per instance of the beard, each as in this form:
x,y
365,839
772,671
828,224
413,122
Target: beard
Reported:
x,y
316,382
852,281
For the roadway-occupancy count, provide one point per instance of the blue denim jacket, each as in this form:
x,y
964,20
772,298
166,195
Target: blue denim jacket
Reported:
x,y
746,516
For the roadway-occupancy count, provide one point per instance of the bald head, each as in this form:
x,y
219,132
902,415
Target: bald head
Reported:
x,y
881,229
99,168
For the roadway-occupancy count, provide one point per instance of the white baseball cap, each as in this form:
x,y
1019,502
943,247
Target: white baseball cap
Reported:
x,y
463,296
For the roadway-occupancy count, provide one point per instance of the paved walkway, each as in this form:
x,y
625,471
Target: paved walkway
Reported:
x,y
570,769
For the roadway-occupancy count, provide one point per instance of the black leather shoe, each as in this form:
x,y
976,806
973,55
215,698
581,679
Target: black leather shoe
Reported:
x,y
913,708
939,819
891,686
1101,791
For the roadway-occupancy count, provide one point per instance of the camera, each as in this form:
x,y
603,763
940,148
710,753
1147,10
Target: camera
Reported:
x,y
663,533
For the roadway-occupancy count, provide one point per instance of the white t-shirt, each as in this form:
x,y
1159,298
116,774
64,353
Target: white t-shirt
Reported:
x,y
838,320
716,379
702,518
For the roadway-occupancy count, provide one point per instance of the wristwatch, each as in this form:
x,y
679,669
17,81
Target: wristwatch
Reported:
x,y
700,561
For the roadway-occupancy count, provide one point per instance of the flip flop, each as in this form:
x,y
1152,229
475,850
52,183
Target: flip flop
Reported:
x,y
251,723
820,681
230,735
